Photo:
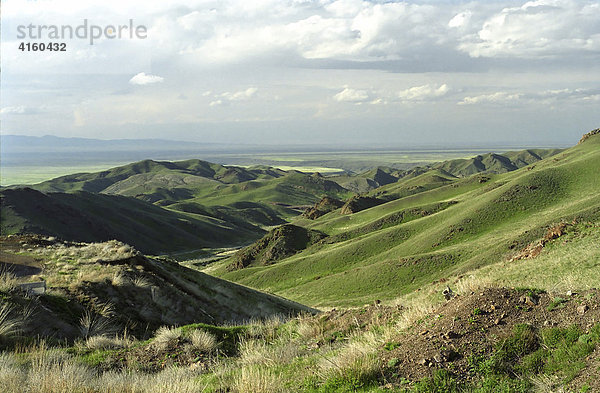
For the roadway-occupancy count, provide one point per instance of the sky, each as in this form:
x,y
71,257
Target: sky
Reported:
x,y
335,72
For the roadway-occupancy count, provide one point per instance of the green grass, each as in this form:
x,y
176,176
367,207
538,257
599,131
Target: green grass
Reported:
x,y
89,217
487,223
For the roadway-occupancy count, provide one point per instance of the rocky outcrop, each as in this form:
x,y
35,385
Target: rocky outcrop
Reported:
x,y
280,243
324,206
358,203
590,134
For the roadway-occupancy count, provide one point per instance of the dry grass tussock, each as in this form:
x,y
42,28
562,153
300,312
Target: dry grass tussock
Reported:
x,y
474,283
12,320
546,384
357,359
8,281
112,250
268,329
9,324
94,324
108,342
166,336
258,352
310,327
256,379
50,371
202,340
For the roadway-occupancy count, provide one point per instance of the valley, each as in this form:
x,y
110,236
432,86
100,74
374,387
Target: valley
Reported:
x,y
466,274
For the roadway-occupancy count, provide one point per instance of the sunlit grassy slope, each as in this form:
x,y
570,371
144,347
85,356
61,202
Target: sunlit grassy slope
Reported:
x,y
444,227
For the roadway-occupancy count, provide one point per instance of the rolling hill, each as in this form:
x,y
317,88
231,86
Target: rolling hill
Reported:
x,y
89,217
435,225
160,206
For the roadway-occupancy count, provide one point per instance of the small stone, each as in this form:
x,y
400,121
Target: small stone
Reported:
x,y
439,358
529,300
582,309
423,362
448,293
570,293
450,355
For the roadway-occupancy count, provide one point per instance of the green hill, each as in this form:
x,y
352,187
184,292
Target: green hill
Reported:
x,y
88,217
439,226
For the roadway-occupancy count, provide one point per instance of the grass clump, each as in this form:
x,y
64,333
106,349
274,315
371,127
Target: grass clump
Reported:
x,y
354,367
556,303
256,379
8,281
166,336
202,340
10,324
528,358
442,381
93,324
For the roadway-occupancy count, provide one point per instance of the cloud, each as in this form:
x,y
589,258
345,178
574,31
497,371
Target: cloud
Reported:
x,y
350,30
226,98
351,95
218,103
428,92
242,95
17,110
499,97
422,93
542,28
546,96
145,79
461,19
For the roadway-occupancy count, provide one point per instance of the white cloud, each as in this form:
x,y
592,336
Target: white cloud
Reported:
x,y
422,93
351,95
217,103
242,95
546,96
226,98
13,109
428,92
461,19
145,79
538,28
499,97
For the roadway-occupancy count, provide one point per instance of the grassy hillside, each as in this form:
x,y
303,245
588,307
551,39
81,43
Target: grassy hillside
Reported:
x,y
84,216
445,228
489,163
259,195
114,283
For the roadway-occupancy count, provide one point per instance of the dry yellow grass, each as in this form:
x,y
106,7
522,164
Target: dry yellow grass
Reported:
x,y
357,359
202,340
165,336
256,379
8,281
